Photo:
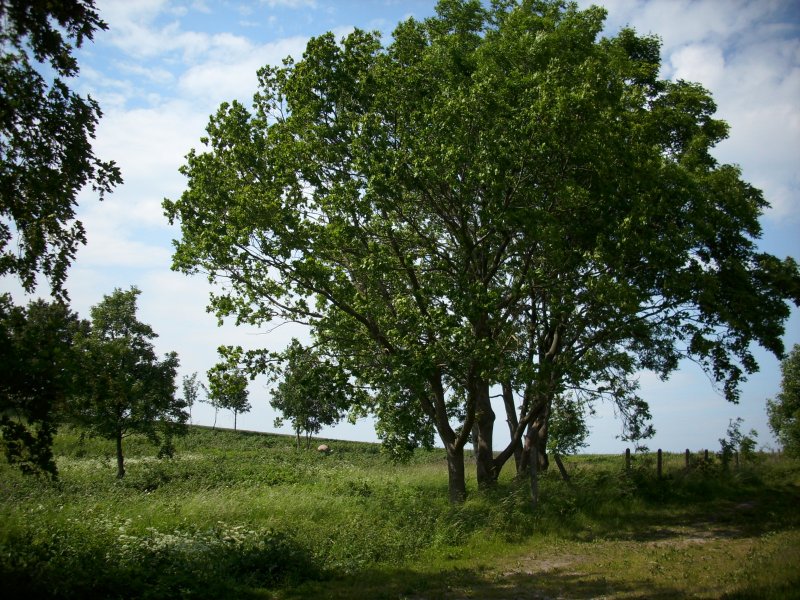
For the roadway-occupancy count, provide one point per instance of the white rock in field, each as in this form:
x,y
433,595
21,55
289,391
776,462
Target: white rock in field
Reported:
x,y
324,448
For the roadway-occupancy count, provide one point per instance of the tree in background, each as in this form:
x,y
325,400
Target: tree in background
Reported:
x,y
784,409
313,392
38,371
736,441
227,388
500,196
46,156
568,428
191,389
125,388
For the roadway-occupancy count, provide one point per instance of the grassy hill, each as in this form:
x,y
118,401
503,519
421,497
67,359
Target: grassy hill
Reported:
x,y
242,514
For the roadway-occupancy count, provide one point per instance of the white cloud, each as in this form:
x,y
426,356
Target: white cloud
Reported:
x,y
290,3
149,146
230,72
748,55
110,247
702,63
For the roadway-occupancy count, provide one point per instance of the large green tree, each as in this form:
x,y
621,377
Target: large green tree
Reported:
x,y
125,387
38,372
46,130
784,409
498,197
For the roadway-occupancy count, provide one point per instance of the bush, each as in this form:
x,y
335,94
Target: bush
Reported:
x,y
80,561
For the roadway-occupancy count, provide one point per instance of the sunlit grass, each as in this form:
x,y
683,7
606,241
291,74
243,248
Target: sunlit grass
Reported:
x,y
322,523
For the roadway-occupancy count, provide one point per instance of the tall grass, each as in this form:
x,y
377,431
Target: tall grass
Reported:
x,y
234,514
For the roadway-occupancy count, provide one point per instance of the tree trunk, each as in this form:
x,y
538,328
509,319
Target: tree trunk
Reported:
x,y
484,421
513,422
533,461
456,483
538,433
120,459
561,469
234,420
436,409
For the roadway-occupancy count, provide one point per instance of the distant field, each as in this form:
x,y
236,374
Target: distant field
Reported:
x,y
245,515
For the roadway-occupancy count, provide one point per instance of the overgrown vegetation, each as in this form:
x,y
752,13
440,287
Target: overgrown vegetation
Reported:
x,y
237,514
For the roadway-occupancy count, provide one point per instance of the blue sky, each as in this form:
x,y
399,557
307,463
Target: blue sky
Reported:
x,y
164,66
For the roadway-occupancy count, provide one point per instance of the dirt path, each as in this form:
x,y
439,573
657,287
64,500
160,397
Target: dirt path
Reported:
x,y
702,560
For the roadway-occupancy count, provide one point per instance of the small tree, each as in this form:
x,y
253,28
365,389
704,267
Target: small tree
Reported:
x,y
567,428
784,409
37,375
191,389
744,444
227,388
314,392
126,389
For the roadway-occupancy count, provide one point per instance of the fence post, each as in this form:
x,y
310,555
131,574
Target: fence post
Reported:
x,y
627,459
659,463
687,458
706,455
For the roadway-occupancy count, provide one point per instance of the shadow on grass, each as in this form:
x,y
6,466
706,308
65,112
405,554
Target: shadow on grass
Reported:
x,y
478,583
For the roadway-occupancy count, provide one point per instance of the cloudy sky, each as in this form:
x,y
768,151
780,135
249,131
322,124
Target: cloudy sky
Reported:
x,y
164,66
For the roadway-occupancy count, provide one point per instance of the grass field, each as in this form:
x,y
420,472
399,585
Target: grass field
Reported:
x,y
245,515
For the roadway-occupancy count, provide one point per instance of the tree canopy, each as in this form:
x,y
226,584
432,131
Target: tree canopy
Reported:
x,y
46,156
500,196
125,388
38,372
227,388
784,409
312,393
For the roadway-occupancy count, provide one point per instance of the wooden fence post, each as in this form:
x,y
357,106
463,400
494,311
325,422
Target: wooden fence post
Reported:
x,y
659,464
706,455
688,455
627,459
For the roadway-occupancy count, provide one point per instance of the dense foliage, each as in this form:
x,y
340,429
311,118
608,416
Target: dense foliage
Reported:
x,y
46,159
46,129
497,197
784,409
39,368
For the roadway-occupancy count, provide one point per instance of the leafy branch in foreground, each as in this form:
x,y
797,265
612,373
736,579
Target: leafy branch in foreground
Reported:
x,y
46,156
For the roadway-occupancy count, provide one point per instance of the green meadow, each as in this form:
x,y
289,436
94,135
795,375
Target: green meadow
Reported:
x,y
247,515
